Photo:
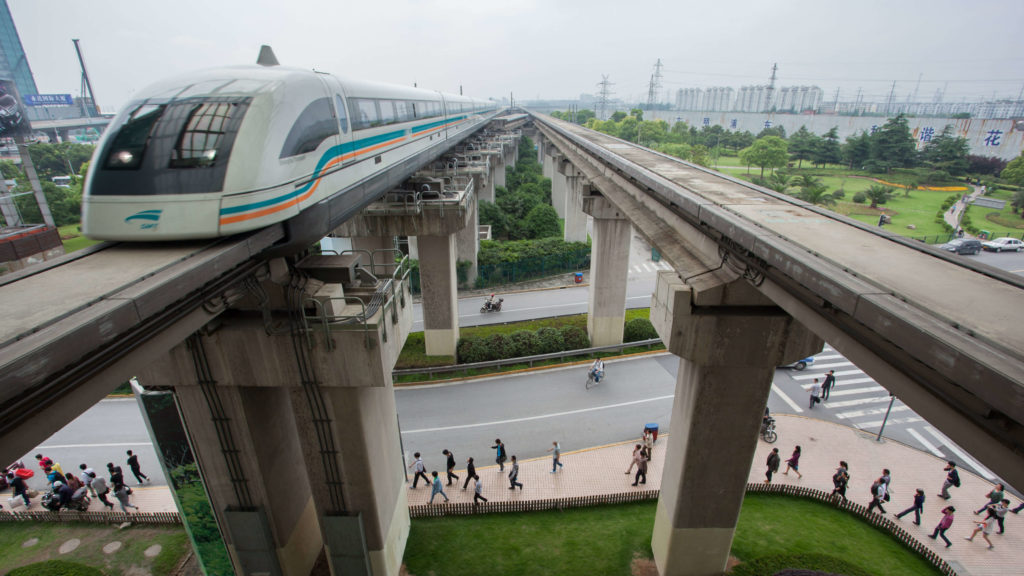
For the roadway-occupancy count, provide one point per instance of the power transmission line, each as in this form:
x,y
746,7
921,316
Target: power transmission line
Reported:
x,y
603,97
655,86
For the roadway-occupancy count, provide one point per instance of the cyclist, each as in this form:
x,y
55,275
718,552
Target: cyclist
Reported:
x,y
597,370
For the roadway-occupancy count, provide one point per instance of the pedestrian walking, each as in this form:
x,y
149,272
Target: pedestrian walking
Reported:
x,y
828,384
470,471
793,463
20,489
99,484
513,476
952,479
435,488
944,524
123,495
648,440
994,496
88,475
641,468
917,508
887,480
773,465
877,496
451,465
998,511
53,475
500,454
478,488
420,470
1018,508
556,454
841,479
636,457
815,394
133,464
116,477
985,528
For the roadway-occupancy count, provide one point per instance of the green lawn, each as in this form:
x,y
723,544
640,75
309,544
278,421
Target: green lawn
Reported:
x,y
999,222
93,537
71,235
606,539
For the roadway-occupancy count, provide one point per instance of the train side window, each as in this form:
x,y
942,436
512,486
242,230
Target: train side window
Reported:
x,y
314,125
387,111
342,116
132,137
364,113
403,111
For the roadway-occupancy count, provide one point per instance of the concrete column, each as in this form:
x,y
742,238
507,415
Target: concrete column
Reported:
x,y
243,442
609,268
730,339
540,150
440,303
575,219
414,248
498,169
558,187
548,162
468,241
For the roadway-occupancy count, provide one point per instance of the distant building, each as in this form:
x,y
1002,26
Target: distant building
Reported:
x,y
798,99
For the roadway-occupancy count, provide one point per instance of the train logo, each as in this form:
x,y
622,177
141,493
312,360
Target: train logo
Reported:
x,y
149,218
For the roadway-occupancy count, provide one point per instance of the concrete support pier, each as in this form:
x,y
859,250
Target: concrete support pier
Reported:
x,y
558,183
609,271
498,170
730,339
440,298
575,218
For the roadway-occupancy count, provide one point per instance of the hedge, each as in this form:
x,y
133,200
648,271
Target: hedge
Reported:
x,y
55,568
638,329
521,343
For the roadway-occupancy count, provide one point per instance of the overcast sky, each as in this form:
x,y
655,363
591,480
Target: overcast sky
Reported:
x,y
541,48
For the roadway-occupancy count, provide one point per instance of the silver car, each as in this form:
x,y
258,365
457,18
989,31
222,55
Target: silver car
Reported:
x,y
1001,244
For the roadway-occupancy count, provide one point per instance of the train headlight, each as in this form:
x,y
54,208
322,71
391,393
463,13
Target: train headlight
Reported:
x,y
124,158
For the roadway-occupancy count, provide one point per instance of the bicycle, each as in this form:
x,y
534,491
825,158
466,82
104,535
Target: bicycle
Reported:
x,y
591,381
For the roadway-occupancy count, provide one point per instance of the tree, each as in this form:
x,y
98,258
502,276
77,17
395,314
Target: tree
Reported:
x,y
985,164
542,222
629,128
878,194
767,152
1014,171
652,132
892,146
739,140
947,152
857,150
618,116
801,145
1017,202
773,131
491,215
827,149
813,191
699,155
638,114
780,181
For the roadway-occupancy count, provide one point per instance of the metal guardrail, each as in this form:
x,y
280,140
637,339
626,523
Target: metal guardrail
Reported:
x,y
430,371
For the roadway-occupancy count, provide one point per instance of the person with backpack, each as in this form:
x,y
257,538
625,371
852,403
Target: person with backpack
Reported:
x,y
994,496
877,496
952,479
20,488
450,465
420,470
99,485
88,475
917,508
841,479
470,472
500,454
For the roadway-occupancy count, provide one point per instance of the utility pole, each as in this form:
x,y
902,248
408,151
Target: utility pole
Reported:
x,y
888,104
85,80
835,103
603,97
771,89
655,86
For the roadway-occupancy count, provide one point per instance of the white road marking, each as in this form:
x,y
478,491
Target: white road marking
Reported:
x,y
876,423
852,391
786,399
829,357
871,412
845,383
924,442
857,402
822,376
63,446
540,417
822,367
988,474
649,268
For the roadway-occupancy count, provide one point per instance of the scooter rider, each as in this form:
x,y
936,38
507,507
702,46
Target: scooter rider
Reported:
x,y
63,491
490,302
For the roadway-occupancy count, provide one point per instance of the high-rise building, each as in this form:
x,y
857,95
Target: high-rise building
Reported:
x,y
13,63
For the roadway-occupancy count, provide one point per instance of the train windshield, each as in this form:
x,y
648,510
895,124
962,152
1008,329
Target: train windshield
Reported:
x,y
178,147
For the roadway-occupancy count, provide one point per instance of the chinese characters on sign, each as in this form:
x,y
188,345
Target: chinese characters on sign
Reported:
x,y
707,121
767,123
48,100
732,124
993,137
874,128
926,134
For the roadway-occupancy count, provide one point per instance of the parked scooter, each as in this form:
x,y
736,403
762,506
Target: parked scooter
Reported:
x,y
79,501
492,304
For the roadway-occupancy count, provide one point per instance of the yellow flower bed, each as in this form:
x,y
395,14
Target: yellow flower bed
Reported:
x,y
935,188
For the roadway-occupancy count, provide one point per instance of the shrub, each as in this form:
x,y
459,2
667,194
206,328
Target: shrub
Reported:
x,y
471,350
638,329
860,198
522,343
574,338
839,194
55,568
497,346
549,340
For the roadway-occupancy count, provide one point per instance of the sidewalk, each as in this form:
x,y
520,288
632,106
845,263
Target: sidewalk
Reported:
x,y
147,498
955,213
600,471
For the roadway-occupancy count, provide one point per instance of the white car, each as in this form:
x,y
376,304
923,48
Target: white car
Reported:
x,y
1001,244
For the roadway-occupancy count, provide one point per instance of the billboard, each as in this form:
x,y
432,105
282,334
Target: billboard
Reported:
x,y
13,119
48,100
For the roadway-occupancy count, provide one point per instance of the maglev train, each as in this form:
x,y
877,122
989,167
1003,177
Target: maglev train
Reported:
x,y
227,150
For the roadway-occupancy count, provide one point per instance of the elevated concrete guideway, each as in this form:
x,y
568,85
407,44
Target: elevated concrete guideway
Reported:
x,y
944,336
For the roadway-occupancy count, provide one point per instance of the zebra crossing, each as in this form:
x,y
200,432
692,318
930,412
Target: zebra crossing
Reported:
x,y
649,267
858,401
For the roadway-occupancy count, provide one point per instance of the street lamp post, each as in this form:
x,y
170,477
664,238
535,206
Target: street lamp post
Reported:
x,y
892,398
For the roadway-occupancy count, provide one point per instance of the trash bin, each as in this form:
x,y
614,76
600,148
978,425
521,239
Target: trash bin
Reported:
x,y
655,255
578,277
652,427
